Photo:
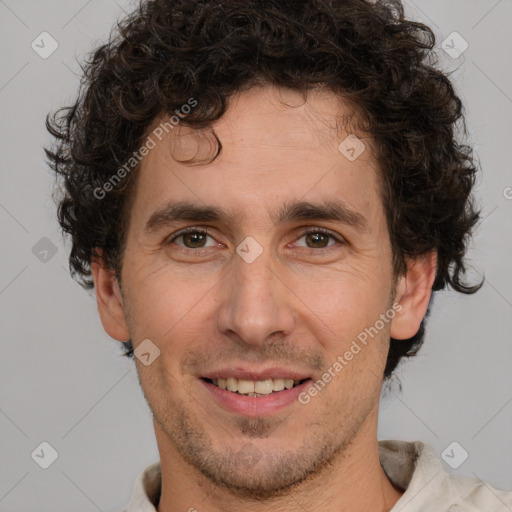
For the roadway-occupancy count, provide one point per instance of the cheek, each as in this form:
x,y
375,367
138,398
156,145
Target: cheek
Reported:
x,y
343,297
340,311
164,305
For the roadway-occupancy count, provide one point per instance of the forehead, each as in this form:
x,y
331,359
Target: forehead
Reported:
x,y
279,119
277,146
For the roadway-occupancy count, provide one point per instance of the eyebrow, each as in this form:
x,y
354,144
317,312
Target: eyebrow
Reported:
x,y
327,210
182,211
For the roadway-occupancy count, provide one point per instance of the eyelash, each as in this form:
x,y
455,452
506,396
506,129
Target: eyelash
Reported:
x,y
308,231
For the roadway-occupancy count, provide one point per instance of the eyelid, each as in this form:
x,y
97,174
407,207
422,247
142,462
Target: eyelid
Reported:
x,y
313,229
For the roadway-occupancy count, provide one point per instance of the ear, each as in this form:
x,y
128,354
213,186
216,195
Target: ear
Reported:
x,y
413,292
109,299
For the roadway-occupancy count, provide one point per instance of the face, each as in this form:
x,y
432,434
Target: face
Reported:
x,y
286,261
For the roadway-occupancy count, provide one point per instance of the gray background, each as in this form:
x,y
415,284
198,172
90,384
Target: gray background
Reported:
x,y
62,379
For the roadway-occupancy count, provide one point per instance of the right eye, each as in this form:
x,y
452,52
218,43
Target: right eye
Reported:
x,y
192,238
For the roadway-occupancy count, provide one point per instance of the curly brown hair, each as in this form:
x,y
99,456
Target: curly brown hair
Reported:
x,y
168,51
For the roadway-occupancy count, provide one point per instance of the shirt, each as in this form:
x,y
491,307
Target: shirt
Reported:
x,y
411,466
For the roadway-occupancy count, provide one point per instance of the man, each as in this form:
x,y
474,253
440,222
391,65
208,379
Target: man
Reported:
x,y
264,196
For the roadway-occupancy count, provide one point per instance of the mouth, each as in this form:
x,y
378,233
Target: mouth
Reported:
x,y
265,396
255,388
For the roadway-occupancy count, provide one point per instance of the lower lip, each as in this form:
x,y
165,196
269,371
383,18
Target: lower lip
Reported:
x,y
254,406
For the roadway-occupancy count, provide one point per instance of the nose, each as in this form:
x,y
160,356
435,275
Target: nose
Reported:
x,y
257,304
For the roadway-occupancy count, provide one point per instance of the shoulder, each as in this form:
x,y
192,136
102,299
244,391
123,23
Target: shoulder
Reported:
x,y
472,494
416,468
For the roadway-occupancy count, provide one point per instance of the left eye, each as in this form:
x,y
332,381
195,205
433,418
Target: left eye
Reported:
x,y
318,239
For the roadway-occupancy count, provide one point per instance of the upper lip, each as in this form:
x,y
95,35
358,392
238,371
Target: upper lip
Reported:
x,y
239,372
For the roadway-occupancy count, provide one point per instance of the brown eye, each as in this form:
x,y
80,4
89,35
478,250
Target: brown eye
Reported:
x,y
318,239
192,239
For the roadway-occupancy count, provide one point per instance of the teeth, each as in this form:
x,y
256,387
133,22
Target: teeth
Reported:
x,y
254,388
278,385
263,387
232,384
245,386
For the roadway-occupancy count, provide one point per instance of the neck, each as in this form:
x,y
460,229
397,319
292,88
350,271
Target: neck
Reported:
x,y
354,480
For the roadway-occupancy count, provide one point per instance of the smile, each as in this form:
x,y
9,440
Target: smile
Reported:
x,y
254,398
255,388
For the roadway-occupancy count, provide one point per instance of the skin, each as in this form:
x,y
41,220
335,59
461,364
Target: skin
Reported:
x,y
298,305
